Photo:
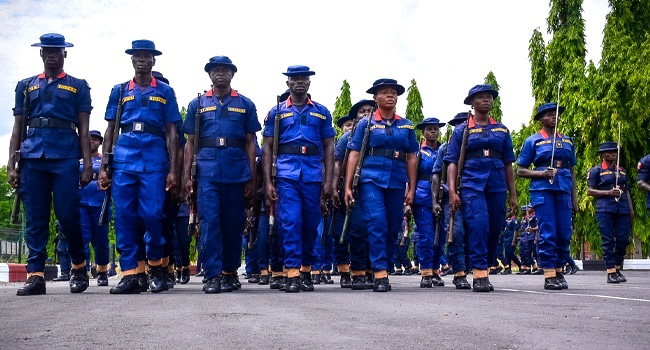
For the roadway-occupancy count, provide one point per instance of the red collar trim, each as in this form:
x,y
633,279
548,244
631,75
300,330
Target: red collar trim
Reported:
x,y
545,135
61,75
233,93
605,166
132,83
289,103
378,116
472,123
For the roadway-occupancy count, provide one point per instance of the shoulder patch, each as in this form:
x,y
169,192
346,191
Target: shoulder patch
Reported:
x,y
236,110
157,99
67,87
317,115
639,166
405,127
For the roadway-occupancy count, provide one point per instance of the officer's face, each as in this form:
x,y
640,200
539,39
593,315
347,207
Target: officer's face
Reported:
x,y
609,156
364,111
431,132
53,57
94,143
221,76
347,126
548,119
482,102
386,97
299,85
143,62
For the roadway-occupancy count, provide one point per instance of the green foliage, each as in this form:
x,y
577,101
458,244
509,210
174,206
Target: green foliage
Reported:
x,y
496,112
342,106
414,107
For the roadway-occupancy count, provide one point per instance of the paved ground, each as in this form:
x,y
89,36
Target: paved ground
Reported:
x,y
518,315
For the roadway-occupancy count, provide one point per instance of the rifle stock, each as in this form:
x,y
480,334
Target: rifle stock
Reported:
x,y
191,201
461,165
274,164
107,160
15,211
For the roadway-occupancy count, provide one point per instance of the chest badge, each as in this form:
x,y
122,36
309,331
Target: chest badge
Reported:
x,y
558,144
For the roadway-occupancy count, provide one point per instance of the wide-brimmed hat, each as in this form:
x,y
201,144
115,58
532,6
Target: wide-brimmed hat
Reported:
x,y
458,119
143,45
220,61
97,134
298,71
343,119
159,76
429,121
355,108
52,40
477,90
607,146
386,82
541,110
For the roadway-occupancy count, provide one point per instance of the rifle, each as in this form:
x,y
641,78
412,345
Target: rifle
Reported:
x,y
191,200
618,163
357,175
15,211
514,236
405,234
441,191
325,217
557,115
274,164
461,165
107,160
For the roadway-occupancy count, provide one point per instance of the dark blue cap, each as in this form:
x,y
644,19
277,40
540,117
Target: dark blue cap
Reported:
x,y
52,40
386,82
429,121
355,108
298,71
143,45
159,76
541,110
220,61
343,119
96,133
458,119
607,146
477,90
523,208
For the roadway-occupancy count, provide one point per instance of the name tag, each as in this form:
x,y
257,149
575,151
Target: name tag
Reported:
x,y
66,87
157,99
500,130
237,110
377,126
475,131
127,99
405,127
285,115
317,115
34,87
426,153
208,109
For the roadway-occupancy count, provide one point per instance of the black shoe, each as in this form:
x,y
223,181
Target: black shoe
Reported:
x,y
408,272
185,276
490,285
177,276
200,274
426,282
574,269
143,282
370,281
621,278
381,285
613,278
247,276
236,285
346,281
447,271
481,285
102,279
437,281
326,278
336,273
128,285
507,271
461,282
170,281
358,283
227,283
562,280
397,272
315,279
524,272
78,280
293,285
496,271
306,283
537,272
276,282
156,279
254,279
283,284
552,284
35,285
204,280
264,280
213,286
61,278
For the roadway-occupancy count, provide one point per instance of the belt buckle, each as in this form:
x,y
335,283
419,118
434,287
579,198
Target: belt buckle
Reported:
x,y
44,122
486,153
396,154
138,126
303,149
221,142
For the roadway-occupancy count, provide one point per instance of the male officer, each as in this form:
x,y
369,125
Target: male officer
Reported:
x,y
305,149
509,241
225,168
144,167
62,253
58,106
643,179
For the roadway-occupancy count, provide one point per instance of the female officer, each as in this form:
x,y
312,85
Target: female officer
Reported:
x,y
389,158
429,253
552,192
485,177
614,208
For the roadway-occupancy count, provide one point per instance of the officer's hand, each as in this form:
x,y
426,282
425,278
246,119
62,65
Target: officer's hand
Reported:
x,y
189,186
271,194
407,210
86,176
454,201
408,199
548,173
336,199
103,181
437,210
575,208
615,192
171,181
349,198
513,201
175,195
249,189
14,178
324,210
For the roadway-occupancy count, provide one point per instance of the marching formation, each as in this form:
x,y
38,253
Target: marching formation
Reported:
x,y
304,200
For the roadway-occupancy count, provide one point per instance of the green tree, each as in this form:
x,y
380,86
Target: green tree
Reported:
x,y
342,105
414,107
496,112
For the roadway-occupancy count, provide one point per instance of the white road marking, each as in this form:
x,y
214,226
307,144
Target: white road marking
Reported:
x,y
575,294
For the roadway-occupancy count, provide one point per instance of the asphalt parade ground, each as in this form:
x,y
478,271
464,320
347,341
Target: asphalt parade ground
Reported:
x,y
519,314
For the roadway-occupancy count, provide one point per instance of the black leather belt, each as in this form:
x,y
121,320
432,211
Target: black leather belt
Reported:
x,y
222,142
388,153
482,153
424,177
141,127
51,123
304,150
557,164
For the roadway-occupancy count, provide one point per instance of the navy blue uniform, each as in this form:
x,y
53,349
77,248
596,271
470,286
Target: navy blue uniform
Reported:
x,y
509,233
644,175
92,199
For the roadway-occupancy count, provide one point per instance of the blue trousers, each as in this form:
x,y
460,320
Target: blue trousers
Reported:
x,y
222,216
429,255
342,251
615,230
95,234
357,236
526,248
170,212
182,242
139,199
443,257
553,209
250,256
509,249
401,258
383,212
455,249
484,214
276,247
43,181
298,215
262,244
64,256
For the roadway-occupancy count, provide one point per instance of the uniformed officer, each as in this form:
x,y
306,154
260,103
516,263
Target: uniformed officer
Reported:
x,y
429,253
389,163
643,179
552,192
486,176
61,246
456,248
510,242
225,169
91,205
614,208
526,242
144,166
304,165
58,106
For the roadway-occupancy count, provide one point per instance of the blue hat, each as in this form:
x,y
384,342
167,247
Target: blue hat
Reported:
x,y
607,146
343,119
541,110
355,108
220,61
160,77
97,134
523,208
52,40
478,89
285,95
429,121
143,45
458,119
386,82
298,71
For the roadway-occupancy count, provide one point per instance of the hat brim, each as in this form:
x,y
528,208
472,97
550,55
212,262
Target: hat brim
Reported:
x,y
468,99
101,139
300,74
133,51
342,121
421,126
399,88
355,108
457,121
541,113
66,44
606,150
209,66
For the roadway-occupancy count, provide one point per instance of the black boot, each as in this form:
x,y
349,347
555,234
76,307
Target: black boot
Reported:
x,y
507,271
276,282
255,278
315,279
177,276
621,278
359,282
35,285
102,279
170,280
562,280
552,283
326,278
613,278
426,282
227,282
461,282
447,271
480,285
143,282
537,272
524,272
490,285
128,285
381,285
156,279
185,276
346,281
293,285
264,280
63,277
370,281
78,280
236,285
283,284
437,281
306,283
213,286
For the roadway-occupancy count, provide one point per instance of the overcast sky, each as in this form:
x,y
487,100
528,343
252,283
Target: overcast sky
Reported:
x,y
446,46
